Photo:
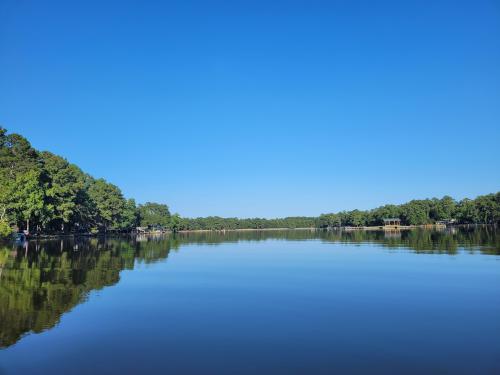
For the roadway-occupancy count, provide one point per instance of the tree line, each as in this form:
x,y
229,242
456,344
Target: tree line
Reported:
x,y
484,209
43,193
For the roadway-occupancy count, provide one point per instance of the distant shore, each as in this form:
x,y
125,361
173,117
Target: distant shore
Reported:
x,y
244,230
167,232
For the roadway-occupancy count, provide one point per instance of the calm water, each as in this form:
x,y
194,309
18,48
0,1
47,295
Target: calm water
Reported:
x,y
292,302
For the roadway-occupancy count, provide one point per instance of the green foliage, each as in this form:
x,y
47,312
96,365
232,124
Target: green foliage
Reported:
x,y
154,214
129,216
220,223
39,285
109,203
443,209
29,197
416,212
357,218
5,229
488,208
22,179
329,220
482,210
41,191
468,212
66,181
176,223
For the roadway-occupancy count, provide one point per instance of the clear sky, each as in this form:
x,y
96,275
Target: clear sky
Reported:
x,y
260,108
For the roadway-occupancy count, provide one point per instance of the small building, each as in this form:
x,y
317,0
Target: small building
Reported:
x,y
392,222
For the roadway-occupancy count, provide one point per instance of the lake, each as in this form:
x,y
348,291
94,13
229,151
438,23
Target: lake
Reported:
x,y
270,302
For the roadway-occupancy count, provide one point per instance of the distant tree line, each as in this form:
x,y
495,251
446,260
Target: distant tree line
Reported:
x,y
485,209
232,223
43,193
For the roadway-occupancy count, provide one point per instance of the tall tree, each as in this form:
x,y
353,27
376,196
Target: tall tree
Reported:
x,y
29,199
66,183
109,202
154,214
443,209
130,215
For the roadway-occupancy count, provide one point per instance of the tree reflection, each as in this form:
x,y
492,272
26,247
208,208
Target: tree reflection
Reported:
x,y
40,281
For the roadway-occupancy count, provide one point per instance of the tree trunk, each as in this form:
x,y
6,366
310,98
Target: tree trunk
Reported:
x,y
28,226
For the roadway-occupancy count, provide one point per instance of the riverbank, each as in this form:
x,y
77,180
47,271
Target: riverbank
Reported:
x,y
311,229
396,227
244,230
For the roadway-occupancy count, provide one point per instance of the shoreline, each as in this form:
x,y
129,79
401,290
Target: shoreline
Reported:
x,y
312,229
244,230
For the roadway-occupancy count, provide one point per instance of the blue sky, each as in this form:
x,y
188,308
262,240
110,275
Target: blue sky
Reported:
x,y
260,108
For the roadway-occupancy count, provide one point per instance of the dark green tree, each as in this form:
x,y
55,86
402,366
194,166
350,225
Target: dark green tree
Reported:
x,y
109,203
66,182
154,214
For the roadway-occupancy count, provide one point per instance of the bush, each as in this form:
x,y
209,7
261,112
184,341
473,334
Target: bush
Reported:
x,y
5,229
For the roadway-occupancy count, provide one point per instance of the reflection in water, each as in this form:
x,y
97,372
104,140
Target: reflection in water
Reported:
x,y
485,239
40,281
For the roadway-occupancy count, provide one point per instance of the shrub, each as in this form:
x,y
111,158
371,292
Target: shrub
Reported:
x,y
5,229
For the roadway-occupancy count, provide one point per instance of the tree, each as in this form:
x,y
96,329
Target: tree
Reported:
x,y
329,220
66,182
130,215
175,223
16,155
22,178
356,218
29,198
488,207
443,209
154,214
416,212
109,203
388,211
7,188
5,228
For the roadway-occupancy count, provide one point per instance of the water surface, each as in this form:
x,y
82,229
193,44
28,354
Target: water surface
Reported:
x,y
287,302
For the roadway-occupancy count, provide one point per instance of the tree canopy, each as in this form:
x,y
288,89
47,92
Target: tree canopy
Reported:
x,y
154,214
43,192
